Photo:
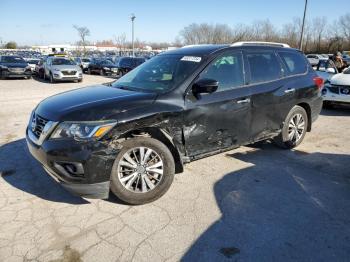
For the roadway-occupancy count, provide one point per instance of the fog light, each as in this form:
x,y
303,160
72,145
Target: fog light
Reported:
x,y
70,169
324,91
55,75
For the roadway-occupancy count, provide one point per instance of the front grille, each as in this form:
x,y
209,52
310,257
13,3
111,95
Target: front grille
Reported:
x,y
37,125
16,69
333,89
345,90
69,73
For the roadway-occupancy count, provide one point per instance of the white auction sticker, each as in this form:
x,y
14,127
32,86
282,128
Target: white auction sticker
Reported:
x,y
195,59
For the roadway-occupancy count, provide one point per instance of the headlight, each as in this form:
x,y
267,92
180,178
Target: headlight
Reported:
x,y
3,67
28,67
55,69
106,68
82,130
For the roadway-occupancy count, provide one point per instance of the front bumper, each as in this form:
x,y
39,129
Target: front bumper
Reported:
x,y
59,76
330,96
19,74
94,157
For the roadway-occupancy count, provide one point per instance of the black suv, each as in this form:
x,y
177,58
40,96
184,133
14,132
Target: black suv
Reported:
x,y
14,66
126,64
102,67
132,135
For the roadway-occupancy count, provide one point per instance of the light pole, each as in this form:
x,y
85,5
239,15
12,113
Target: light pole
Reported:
x,y
132,33
302,28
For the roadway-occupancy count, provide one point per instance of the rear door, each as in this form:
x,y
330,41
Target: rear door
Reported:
x,y
271,98
220,119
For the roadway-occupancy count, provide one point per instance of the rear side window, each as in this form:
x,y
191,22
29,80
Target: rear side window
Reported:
x,y
126,62
294,62
264,66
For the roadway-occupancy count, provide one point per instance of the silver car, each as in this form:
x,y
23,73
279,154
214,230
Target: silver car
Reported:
x,y
62,69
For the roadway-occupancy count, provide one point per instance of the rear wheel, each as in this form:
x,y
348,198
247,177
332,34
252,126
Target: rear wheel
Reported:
x,y
143,171
294,128
89,71
102,73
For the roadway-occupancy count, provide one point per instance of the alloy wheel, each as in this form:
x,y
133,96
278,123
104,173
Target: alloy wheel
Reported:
x,y
140,169
296,128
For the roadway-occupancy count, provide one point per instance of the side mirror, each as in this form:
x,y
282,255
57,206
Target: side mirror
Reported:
x,y
330,70
205,85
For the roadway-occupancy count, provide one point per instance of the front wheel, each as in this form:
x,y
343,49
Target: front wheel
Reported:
x,y
294,128
143,171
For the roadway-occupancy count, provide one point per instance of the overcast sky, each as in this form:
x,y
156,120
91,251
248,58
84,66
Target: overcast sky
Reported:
x,y
48,22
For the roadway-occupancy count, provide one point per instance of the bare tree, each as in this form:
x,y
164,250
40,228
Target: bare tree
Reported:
x,y
318,28
83,32
120,40
344,27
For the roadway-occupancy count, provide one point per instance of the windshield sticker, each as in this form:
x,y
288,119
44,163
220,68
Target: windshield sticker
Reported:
x,y
195,59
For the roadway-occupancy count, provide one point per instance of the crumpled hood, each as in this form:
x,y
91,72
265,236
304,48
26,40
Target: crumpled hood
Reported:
x,y
92,103
341,79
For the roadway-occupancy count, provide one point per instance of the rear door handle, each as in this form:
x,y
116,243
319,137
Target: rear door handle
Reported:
x,y
290,90
243,101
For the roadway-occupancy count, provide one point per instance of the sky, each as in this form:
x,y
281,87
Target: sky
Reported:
x,y
40,22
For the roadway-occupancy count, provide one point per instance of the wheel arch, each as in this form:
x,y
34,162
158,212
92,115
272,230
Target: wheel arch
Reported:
x,y
162,136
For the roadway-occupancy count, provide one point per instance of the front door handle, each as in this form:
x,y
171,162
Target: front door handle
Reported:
x,y
290,90
243,101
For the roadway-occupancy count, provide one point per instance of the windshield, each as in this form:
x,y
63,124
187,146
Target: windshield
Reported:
x,y
106,62
159,74
12,59
85,60
62,61
35,62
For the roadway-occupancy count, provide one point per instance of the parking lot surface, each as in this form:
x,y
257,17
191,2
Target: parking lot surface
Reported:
x,y
255,203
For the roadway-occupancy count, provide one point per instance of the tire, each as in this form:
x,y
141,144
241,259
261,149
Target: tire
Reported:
x,y
102,73
80,80
89,71
161,186
284,139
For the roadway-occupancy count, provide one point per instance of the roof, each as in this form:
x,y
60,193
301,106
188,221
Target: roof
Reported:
x,y
199,50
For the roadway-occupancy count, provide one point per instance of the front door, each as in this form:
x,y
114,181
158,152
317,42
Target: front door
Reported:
x,y
221,119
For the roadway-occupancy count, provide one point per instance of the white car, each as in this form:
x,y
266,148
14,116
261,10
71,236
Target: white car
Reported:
x,y
338,88
32,62
315,58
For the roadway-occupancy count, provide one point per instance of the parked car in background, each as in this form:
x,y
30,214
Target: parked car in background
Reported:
x,y
102,67
85,63
39,68
62,69
126,64
32,62
130,136
78,61
14,66
326,69
315,58
337,90
346,59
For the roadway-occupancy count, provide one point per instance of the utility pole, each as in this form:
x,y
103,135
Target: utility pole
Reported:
x,y
302,28
132,39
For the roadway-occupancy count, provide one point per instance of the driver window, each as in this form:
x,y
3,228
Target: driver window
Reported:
x,y
227,69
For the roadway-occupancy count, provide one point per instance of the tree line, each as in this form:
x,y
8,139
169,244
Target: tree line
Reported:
x,y
320,36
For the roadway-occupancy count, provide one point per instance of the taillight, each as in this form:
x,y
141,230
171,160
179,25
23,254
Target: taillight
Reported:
x,y
319,82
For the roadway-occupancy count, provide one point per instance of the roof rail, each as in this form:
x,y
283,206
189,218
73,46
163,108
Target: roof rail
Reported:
x,y
261,43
